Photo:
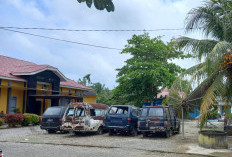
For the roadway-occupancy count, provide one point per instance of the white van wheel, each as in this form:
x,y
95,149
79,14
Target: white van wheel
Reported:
x,y
100,131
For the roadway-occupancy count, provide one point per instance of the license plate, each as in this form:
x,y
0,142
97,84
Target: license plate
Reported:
x,y
50,120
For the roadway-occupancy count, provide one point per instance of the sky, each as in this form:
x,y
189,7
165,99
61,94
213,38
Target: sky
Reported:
x,y
75,61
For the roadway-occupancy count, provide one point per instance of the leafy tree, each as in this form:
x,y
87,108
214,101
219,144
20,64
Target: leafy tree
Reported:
x,y
177,93
103,93
100,4
85,80
147,71
99,87
213,19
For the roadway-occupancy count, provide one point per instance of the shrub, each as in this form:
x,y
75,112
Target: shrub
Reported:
x,y
213,114
16,110
27,119
30,118
14,119
35,120
1,121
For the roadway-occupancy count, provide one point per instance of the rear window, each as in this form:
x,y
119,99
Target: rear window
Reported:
x,y
97,112
156,112
118,110
70,112
52,111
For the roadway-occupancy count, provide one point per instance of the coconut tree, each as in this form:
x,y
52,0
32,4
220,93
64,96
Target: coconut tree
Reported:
x,y
214,21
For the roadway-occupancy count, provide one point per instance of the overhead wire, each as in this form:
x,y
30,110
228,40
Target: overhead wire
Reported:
x,y
92,30
68,41
12,29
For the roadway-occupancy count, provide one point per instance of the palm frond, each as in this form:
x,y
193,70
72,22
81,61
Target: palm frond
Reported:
x,y
215,57
196,47
215,90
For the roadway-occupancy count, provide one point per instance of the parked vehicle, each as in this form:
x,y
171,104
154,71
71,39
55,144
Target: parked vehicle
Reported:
x,y
1,154
89,117
52,119
122,119
68,118
158,119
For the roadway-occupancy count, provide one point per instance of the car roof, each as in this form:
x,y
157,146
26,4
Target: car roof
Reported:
x,y
124,106
58,106
91,105
156,106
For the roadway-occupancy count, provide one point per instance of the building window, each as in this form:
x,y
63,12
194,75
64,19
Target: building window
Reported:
x,y
9,83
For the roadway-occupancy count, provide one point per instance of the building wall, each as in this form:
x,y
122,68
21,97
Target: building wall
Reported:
x,y
90,98
3,99
18,91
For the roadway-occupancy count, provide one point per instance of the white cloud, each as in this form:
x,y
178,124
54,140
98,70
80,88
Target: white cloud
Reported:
x,y
75,60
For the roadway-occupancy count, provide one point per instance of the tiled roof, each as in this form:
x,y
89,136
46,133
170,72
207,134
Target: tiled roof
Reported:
x,y
71,83
163,93
12,68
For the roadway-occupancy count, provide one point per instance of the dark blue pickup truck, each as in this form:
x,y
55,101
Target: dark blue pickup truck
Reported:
x,y
122,119
158,119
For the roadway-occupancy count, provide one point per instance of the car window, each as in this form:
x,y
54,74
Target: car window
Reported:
x,y
118,110
156,112
113,110
52,111
100,112
134,112
144,112
97,112
70,112
92,112
80,112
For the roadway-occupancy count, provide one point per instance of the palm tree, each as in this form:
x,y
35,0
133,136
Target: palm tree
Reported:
x,y
214,20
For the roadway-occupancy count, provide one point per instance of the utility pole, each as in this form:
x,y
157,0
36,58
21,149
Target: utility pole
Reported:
x,y
182,110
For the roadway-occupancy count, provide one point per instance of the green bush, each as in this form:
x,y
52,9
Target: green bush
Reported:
x,y
35,120
1,121
213,114
27,119
31,119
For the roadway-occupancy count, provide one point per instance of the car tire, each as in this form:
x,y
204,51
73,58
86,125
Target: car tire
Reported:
x,y
145,134
134,131
76,132
167,134
171,132
51,131
100,131
64,132
111,132
178,130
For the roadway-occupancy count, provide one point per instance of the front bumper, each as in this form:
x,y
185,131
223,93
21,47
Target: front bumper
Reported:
x,y
153,129
57,128
119,128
